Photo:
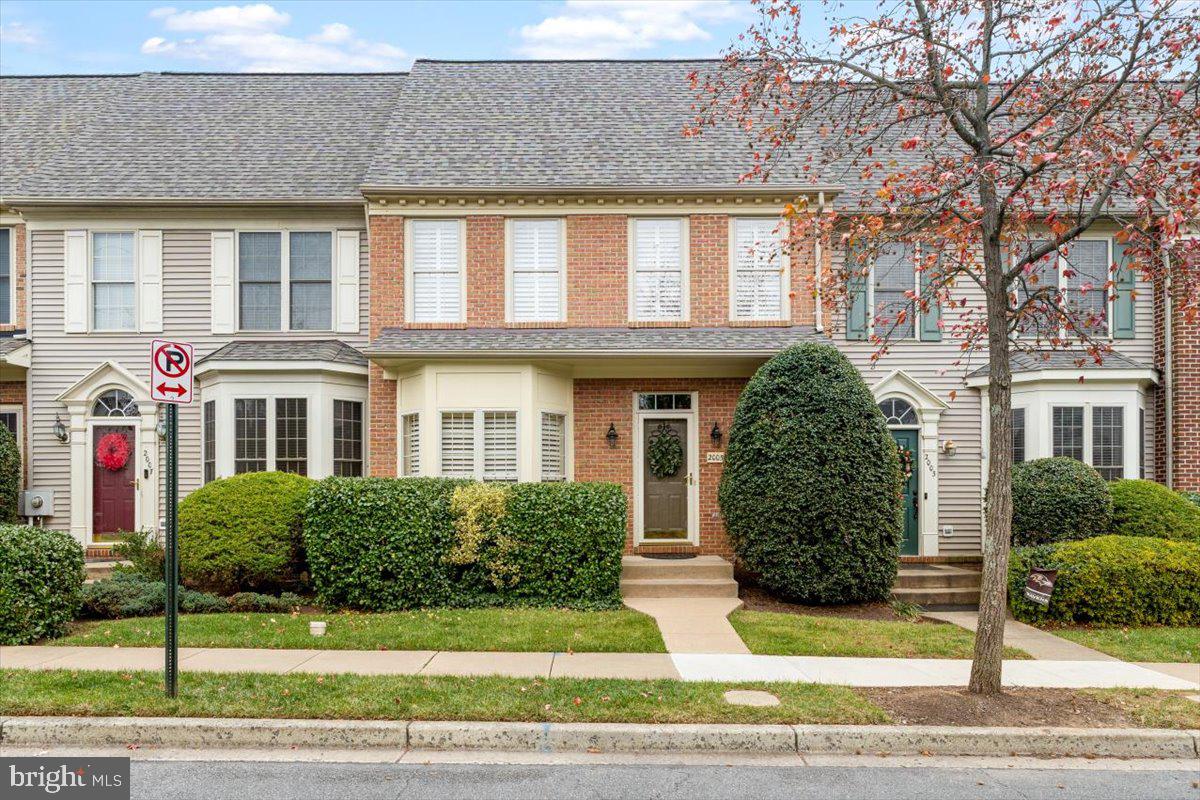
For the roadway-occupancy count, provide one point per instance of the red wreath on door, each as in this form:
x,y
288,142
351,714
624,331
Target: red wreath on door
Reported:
x,y
112,452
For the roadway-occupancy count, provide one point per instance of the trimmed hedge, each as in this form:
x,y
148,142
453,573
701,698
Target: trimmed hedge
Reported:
x,y
1112,580
1058,499
41,575
243,533
1146,508
811,490
10,477
385,544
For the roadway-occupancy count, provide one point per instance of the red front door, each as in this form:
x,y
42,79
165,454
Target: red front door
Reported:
x,y
112,490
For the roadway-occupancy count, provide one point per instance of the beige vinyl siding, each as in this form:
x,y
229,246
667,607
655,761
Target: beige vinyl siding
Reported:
x,y
60,359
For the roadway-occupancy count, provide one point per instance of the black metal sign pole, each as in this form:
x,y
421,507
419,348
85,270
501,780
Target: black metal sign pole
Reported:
x,y
172,550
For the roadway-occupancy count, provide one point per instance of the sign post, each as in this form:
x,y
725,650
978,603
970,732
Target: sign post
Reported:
x,y
171,383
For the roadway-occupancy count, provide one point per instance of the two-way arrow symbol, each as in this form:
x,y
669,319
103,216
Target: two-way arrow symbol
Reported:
x,y
177,390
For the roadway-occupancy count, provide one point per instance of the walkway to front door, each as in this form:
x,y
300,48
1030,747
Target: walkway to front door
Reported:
x,y
113,489
907,443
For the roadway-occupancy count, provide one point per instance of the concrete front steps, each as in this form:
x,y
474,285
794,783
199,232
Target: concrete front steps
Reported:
x,y
702,576
930,585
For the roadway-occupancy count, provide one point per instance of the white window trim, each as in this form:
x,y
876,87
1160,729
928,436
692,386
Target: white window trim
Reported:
x,y
478,434
19,410
917,316
285,285
684,265
785,275
12,275
462,273
510,264
1061,284
91,282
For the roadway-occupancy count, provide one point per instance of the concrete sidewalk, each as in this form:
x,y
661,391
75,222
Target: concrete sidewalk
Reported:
x,y
863,672
1035,641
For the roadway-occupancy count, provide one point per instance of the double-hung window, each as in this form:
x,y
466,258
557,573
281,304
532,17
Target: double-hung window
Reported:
x,y
537,270
659,270
114,278
6,277
757,272
893,287
554,446
291,435
297,265
209,440
347,438
436,270
480,445
1092,434
250,435
1077,278
1018,435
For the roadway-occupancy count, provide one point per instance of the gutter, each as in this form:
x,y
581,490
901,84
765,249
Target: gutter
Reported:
x,y
641,353
12,202
556,189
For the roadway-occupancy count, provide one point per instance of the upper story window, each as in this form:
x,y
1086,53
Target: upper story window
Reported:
x,y
436,270
757,275
7,257
301,261
537,271
887,300
114,279
1078,275
659,264
894,284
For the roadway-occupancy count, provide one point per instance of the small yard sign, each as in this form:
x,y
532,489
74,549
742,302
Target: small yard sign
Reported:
x,y
171,372
1040,585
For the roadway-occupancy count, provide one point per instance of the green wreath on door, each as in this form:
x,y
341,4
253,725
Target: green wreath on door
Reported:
x,y
664,452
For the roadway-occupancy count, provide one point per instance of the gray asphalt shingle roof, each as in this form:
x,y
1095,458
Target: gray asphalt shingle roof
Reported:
x,y
565,124
316,350
193,137
1066,360
9,344
589,341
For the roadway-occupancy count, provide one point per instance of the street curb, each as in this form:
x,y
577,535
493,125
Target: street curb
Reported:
x,y
547,737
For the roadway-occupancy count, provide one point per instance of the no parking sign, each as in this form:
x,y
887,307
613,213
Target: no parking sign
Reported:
x,y
171,372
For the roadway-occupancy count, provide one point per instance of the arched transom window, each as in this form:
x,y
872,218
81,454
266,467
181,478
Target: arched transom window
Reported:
x,y
115,403
898,412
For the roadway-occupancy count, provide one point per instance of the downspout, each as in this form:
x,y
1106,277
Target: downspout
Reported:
x,y
1168,374
819,314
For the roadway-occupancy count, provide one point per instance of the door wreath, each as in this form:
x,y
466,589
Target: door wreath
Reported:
x,y
112,452
664,452
906,461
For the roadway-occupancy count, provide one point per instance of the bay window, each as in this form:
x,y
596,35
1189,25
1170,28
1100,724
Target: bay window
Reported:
x,y
347,438
479,444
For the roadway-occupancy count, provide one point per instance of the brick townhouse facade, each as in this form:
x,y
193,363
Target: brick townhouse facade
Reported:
x,y
501,270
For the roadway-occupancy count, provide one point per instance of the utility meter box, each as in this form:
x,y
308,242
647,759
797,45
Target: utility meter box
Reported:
x,y
37,503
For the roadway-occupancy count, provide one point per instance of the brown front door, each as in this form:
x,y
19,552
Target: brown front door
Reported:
x,y
112,490
664,492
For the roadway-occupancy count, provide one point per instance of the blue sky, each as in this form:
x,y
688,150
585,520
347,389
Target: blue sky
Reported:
x,y
90,37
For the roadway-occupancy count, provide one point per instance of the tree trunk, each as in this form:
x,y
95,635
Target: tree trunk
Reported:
x,y
993,594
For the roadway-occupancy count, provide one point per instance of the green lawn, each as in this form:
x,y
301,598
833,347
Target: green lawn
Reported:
x,y
86,693
778,634
1179,645
525,629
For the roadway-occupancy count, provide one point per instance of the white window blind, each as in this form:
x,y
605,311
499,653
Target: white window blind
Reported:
x,y
500,446
411,444
757,270
458,444
536,270
554,430
658,269
436,270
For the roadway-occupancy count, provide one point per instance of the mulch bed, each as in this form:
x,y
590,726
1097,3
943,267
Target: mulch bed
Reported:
x,y
1018,708
756,599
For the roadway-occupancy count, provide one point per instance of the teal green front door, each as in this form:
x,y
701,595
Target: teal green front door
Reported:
x,y
906,443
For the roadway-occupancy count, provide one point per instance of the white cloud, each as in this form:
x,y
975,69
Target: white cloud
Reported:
x,y
615,28
18,33
251,38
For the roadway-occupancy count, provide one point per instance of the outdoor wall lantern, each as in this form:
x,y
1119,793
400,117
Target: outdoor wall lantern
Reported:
x,y
949,447
60,430
611,436
716,434
161,428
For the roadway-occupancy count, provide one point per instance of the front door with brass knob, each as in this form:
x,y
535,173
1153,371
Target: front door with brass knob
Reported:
x,y
665,479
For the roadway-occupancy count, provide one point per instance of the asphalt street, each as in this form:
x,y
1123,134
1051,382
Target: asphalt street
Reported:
x,y
201,780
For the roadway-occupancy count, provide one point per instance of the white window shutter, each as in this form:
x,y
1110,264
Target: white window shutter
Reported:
x,y
554,458
346,253
436,264
411,441
658,269
224,286
150,281
458,444
75,282
758,270
536,270
500,446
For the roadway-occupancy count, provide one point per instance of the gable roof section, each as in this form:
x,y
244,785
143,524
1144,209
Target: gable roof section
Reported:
x,y
190,137
554,124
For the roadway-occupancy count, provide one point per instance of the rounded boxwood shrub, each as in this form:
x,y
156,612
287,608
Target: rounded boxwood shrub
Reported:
x,y
811,490
243,533
41,575
1058,499
1112,580
1146,508
10,477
